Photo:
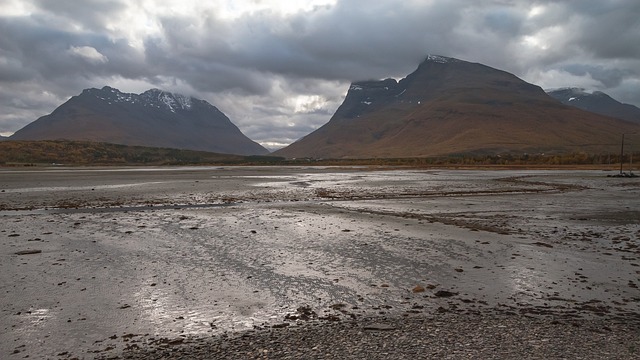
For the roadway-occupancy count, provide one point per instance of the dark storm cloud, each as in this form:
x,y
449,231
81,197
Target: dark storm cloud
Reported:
x,y
601,34
349,41
608,77
346,42
93,15
46,53
279,76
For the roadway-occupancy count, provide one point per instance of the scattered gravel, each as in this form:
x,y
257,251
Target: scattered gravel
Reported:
x,y
447,336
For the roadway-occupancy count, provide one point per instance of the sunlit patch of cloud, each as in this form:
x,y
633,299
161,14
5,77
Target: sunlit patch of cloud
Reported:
x,y
89,54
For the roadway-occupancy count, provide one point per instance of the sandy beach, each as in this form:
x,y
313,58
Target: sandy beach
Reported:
x,y
130,262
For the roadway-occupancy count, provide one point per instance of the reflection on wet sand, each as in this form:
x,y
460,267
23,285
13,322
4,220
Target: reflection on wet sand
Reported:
x,y
203,251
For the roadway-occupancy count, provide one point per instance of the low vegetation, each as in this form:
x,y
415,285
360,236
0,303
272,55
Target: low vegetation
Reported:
x,y
78,153
505,160
45,152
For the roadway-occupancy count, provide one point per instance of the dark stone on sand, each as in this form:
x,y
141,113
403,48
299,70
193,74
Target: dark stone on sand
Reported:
x,y
445,293
379,327
543,244
28,252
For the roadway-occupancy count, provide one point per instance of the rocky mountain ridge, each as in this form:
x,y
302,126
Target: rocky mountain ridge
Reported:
x,y
151,98
597,102
153,118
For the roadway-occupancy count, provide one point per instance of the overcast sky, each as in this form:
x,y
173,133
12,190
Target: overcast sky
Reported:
x,y
279,69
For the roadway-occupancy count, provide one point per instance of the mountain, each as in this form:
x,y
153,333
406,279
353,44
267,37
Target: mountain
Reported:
x,y
597,102
154,118
449,106
3,138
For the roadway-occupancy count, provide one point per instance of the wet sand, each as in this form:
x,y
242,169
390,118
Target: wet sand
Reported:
x,y
97,260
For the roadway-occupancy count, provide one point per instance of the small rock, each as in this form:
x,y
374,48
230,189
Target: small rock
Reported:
x,y
28,252
543,244
379,327
445,293
174,342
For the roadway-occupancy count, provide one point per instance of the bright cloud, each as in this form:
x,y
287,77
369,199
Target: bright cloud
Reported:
x,y
88,53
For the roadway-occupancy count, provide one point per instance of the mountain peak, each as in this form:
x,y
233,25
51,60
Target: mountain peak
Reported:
x,y
154,98
170,100
110,89
450,106
153,118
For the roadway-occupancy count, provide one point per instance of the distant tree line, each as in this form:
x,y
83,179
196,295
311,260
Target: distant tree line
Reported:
x,y
25,153
507,159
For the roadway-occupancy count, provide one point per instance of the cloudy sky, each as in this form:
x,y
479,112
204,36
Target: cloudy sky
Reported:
x,y
279,69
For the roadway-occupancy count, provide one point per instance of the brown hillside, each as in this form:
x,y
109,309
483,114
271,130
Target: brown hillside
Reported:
x,y
449,106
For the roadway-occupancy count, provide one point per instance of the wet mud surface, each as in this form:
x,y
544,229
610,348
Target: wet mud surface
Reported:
x,y
97,261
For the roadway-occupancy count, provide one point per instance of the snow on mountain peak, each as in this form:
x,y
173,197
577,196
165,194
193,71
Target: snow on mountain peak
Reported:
x,y
154,98
167,99
173,101
440,59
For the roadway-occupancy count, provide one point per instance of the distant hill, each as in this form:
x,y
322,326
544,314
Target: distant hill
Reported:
x,y
63,152
154,118
597,102
449,106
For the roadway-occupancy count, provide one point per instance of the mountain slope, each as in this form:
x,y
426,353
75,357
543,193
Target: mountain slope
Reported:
x,y
450,106
597,102
153,118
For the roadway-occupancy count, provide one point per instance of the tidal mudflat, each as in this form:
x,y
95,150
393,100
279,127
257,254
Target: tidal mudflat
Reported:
x,y
103,262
